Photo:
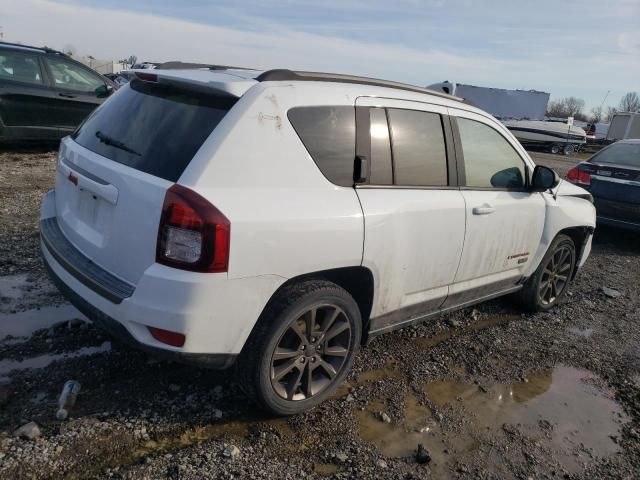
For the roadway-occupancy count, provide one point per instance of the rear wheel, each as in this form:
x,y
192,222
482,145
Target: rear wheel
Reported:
x,y
302,348
550,281
555,149
569,149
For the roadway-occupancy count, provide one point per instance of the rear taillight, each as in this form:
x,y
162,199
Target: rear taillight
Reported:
x,y
581,177
193,234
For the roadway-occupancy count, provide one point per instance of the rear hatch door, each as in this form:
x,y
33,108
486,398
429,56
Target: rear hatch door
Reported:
x,y
113,172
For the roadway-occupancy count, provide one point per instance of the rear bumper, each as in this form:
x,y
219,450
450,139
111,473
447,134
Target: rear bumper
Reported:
x,y
119,332
216,314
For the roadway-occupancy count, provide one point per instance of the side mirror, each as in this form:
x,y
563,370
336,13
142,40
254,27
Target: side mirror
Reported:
x,y
544,179
103,91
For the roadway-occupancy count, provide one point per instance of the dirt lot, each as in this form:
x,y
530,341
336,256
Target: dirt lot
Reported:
x,y
489,393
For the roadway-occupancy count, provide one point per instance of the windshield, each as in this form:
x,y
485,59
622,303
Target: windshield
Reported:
x,y
153,128
621,154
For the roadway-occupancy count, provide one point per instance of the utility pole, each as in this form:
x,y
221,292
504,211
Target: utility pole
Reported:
x,y
605,97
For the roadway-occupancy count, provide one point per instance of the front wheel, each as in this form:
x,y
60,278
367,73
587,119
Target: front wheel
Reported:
x,y
549,283
302,348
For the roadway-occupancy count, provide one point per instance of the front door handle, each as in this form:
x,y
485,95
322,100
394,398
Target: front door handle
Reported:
x,y
485,209
67,95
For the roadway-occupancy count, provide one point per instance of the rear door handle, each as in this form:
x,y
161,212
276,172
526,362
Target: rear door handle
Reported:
x,y
67,95
483,210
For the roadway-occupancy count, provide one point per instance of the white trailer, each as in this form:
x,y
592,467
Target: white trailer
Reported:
x,y
624,125
501,103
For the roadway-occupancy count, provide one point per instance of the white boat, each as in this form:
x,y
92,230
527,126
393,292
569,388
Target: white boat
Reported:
x,y
556,136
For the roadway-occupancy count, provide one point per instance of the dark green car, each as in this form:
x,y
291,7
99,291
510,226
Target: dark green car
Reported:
x,y
45,94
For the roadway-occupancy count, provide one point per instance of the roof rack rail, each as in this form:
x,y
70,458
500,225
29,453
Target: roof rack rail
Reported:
x,y
30,47
178,65
51,50
284,74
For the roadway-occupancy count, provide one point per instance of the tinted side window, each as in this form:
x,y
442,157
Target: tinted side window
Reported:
x,y
329,135
381,170
70,76
419,152
20,68
489,159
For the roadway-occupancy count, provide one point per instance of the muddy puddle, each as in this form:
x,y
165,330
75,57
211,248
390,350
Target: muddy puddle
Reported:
x,y
481,324
13,286
561,409
233,431
326,469
399,440
20,314
581,332
23,324
41,361
390,370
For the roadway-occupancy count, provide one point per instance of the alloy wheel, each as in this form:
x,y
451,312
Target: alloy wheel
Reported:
x,y
555,276
311,352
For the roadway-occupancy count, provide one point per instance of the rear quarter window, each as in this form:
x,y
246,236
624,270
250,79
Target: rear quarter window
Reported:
x,y
154,128
329,135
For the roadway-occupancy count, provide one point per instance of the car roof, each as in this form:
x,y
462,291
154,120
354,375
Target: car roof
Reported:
x,y
235,81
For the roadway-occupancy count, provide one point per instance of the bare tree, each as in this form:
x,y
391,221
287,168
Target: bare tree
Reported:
x,y
609,113
566,107
596,114
630,103
574,106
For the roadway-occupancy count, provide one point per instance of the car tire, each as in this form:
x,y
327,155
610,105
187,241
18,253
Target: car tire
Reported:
x,y
555,149
288,368
546,287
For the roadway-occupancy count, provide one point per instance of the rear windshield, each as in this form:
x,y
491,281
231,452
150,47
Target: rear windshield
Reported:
x,y
153,128
621,154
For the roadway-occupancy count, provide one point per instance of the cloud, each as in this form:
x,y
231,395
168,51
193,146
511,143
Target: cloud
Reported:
x,y
105,33
422,44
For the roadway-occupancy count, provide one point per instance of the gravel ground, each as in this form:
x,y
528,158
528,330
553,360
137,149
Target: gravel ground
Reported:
x,y
488,392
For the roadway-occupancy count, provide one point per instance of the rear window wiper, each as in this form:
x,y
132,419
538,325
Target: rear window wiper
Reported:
x,y
107,140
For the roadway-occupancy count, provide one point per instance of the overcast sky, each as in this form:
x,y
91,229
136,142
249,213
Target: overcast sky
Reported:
x,y
581,48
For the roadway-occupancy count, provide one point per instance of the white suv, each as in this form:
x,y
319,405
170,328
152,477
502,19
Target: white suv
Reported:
x,y
277,220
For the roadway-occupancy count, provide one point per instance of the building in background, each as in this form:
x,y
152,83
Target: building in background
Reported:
x,y
499,102
103,66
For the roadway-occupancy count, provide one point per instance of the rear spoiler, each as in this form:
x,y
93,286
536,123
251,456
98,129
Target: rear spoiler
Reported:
x,y
225,85
178,65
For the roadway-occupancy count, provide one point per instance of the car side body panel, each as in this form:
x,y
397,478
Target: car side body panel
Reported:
x,y
565,210
286,218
